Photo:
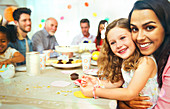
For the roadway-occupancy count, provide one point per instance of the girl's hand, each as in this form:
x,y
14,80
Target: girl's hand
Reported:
x,y
6,62
138,103
87,91
88,80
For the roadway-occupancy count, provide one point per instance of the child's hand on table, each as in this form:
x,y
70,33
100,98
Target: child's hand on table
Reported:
x,y
6,62
87,91
88,80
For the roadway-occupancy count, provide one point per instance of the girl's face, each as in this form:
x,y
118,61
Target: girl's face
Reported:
x,y
120,42
3,43
147,31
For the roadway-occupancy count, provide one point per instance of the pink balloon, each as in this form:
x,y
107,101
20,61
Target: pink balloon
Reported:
x,y
62,17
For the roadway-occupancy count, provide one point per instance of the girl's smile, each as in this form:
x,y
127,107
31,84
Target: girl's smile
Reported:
x,y
121,42
3,43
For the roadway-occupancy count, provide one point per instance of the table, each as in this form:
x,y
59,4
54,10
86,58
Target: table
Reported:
x,y
35,92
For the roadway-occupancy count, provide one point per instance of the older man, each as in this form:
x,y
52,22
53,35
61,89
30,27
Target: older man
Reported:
x,y
45,39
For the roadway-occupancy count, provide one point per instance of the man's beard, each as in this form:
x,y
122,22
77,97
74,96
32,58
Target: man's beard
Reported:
x,y
23,29
52,33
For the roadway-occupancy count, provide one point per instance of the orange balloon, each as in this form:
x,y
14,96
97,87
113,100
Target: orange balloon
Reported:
x,y
86,4
8,13
69,6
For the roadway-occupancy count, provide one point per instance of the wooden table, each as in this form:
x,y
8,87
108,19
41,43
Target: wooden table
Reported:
x,y
35,92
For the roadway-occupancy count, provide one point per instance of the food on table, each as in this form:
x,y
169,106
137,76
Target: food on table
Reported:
x,y
59,62
77,82
74,76
71,61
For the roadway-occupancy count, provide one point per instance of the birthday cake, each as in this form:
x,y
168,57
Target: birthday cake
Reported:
x,y
87,46
71,48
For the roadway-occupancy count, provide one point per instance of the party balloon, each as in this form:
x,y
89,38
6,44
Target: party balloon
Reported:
x,y
62,17
86,4
69,6
1,19
42,20
107,19
40,25
8,13
94,14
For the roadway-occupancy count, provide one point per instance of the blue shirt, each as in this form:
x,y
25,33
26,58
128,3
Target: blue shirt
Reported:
x,y
20,45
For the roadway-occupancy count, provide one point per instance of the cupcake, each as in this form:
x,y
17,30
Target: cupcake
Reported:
x,y
74,76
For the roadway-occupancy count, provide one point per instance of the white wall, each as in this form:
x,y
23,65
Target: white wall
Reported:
x,y
70,26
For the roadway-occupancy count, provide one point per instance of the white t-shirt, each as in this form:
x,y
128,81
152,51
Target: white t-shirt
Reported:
x,y
8,54
80,39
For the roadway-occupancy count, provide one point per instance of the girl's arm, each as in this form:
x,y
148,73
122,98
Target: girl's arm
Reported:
x,y
108,84
91,80
146,69
17,58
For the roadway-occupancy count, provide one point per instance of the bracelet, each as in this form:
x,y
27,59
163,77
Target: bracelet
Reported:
x,y
100,84
94,89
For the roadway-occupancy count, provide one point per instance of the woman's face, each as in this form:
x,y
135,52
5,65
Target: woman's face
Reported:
x,y
101,27
147,31
120,42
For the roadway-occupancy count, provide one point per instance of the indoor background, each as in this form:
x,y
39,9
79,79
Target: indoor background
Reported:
x,y
69,13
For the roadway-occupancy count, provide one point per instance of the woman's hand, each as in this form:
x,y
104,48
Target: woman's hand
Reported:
x,y
88,80
136,103
87,91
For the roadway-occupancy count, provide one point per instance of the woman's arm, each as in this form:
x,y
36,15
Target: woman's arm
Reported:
x,y
137,103
164,95
145,70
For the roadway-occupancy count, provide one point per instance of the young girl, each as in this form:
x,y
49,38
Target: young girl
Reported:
x,y
120,57
8,55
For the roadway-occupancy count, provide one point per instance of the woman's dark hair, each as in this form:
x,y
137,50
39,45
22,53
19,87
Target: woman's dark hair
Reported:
x,y
13,34
98,37
161,9
4,30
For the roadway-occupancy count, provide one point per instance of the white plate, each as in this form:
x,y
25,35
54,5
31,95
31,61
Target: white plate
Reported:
x,y
48,62
93,62
21,68
66,65
91,72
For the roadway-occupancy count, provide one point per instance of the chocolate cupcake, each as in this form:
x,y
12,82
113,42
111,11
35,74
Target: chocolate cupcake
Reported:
x,y
69,62
74,76
60,62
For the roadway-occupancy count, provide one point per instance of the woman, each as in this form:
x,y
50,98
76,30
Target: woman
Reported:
x,y
150,26
98,39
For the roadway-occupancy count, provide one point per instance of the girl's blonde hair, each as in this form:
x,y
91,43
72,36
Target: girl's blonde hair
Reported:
x,y
108,63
